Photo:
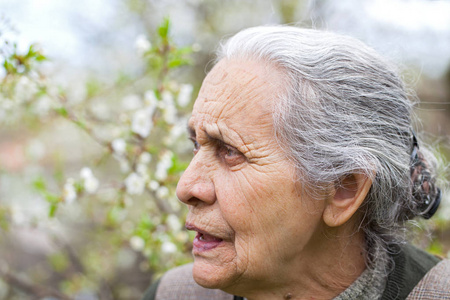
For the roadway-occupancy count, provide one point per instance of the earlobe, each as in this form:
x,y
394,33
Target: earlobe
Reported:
x,y
345,198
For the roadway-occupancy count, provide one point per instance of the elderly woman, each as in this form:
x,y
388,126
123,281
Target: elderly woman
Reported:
x,y
305,170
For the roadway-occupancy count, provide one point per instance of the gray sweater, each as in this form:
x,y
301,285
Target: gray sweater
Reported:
x,y
410,265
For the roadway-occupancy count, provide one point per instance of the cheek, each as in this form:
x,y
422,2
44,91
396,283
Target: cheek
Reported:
x,y
253,204
238,196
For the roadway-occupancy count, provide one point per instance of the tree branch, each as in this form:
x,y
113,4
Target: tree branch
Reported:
x,y
32,289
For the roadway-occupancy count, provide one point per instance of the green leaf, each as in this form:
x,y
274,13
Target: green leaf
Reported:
x,y
80,123
164,28
39,57
39,185
62,111
177,165
52,209
184,50
9,67
178,62
31,51
92,87
52,199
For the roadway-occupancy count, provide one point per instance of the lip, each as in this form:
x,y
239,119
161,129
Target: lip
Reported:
x,y
203,241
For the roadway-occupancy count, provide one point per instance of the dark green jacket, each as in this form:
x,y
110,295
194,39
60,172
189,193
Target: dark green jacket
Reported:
x,y
411,265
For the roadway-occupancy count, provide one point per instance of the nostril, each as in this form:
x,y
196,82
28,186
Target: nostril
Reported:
x,y
192,201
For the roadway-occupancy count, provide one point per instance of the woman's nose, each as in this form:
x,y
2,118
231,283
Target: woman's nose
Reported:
x,y
196,186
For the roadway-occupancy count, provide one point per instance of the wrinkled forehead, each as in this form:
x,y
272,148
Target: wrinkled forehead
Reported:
x,y
237,91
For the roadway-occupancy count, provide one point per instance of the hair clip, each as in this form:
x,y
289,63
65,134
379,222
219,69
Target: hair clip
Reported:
x,y
433,205
424,191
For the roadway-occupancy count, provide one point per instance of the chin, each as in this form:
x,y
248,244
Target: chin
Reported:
x,y
211,276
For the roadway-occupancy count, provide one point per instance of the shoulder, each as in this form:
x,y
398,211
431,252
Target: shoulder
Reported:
x,y
410,265
178,283
417,260
435,284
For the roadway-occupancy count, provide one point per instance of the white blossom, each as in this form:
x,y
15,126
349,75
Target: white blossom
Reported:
x,y
184,96
145,158
25,89
170,114
123,163
142,44
76,93
162,192
163,166
131,102
6,104
161,172
142,123
89,181
86,172
137,243
150,99
52,89
100,110
141,169
166,100
153,185
168,106
42,105
135,184
196,47
119,146
69,192
168,247
91,185
177,130
173,222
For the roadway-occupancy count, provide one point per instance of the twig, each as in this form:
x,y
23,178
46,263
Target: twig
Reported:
x,y
32,289
163,206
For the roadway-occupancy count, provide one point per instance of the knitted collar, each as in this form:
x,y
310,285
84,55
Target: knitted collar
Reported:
x,y
370,284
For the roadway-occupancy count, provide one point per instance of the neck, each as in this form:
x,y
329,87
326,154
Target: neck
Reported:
x,y
323,271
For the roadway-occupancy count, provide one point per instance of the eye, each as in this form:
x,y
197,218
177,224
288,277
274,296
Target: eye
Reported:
x,y
230,152
196,145
231,155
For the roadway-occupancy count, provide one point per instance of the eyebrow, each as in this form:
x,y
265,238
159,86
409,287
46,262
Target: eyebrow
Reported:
x,y
211,136
191,131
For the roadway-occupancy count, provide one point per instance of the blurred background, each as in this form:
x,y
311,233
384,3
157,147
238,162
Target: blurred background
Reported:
x,y
94,100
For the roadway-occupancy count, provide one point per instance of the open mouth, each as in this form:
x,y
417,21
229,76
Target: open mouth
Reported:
x,y
203,242
207,238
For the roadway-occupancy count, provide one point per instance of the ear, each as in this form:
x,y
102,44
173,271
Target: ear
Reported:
x,y
345,199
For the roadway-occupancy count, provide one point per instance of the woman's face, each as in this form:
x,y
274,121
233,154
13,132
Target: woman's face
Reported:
x,y
253,223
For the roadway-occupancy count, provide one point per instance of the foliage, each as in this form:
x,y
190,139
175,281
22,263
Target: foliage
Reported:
x,y
119,213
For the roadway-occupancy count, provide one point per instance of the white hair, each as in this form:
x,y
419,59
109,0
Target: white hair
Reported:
x,y
345,111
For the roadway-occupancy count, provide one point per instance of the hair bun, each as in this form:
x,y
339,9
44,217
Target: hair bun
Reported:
x,y
424,191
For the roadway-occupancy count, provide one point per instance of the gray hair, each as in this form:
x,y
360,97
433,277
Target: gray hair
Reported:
x,y
345,111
